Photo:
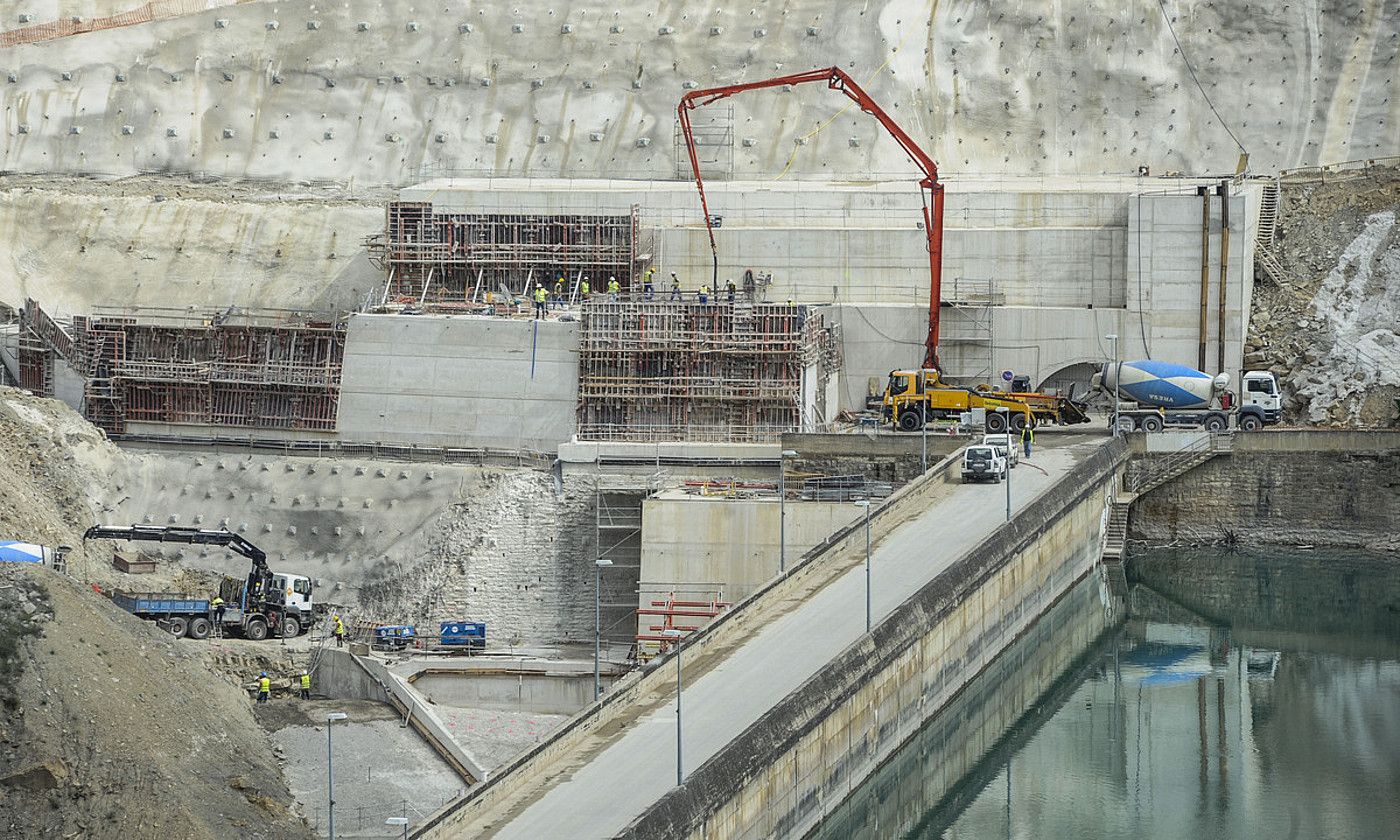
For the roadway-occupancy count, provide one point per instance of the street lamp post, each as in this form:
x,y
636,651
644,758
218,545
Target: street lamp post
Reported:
x,y
1006,424
1117,374
330,771
865,503
399,821
924,434
782,508
598,565
680,646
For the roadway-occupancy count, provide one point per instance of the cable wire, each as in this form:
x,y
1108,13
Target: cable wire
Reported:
x,y
1192,70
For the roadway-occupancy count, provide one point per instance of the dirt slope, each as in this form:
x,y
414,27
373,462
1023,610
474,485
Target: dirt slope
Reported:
x,y
108,727
118,731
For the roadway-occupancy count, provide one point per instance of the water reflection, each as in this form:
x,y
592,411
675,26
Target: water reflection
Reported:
x,y
1279,718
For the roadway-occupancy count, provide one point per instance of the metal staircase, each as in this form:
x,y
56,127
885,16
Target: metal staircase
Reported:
x,y
1167,467
1161,470
1268,214
1117,537
1265,231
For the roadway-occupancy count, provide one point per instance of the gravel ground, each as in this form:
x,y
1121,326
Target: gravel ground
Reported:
x,y
382,769
495,737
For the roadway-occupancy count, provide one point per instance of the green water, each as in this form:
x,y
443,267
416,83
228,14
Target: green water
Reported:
x,y
1243,696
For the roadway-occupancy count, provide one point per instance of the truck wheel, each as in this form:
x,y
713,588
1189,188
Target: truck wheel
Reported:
x,y
177,626
1250,422
1215,423
996,424
1018,422
255,629
199,628
1152,424
909,421
291,627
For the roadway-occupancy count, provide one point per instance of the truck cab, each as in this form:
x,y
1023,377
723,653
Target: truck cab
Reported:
x,y
1260,401
293,593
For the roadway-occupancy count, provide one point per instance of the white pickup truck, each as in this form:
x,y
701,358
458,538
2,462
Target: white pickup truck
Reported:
x,y
1005,447
983,463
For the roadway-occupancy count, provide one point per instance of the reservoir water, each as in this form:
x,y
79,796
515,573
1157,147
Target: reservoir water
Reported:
x,y
1228,695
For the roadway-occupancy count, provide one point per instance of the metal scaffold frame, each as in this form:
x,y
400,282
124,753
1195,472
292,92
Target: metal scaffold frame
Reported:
x,y
263,370
453,261
709,372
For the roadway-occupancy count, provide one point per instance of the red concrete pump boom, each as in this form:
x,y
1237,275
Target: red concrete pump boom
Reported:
x,y
930,189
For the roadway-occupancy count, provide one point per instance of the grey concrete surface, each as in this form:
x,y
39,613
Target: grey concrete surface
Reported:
x,y
371,92
495,736
598,799
703,547
459,382
381,768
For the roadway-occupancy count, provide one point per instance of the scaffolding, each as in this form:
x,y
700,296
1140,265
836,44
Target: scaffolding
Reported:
x,y
730,372
251,370
459,261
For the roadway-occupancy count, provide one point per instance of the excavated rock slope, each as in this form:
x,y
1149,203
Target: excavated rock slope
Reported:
x,y
108,727
1330,331
116,730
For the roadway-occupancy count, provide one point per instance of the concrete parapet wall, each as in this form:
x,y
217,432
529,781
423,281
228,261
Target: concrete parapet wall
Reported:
x,y
638,691
1313,487
959,752
804,756
340,677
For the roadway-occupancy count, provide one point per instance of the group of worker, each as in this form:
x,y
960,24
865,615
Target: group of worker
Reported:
x,y
304,692
560,297
265,686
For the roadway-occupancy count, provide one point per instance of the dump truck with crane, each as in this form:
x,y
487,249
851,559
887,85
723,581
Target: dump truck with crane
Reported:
x,y
1154,395
262,604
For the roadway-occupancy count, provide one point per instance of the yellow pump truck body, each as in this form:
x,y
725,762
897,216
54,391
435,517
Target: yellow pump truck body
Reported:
x,y
913,397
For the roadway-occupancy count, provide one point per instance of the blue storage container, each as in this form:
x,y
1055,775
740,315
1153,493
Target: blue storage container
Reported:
x,y
463,633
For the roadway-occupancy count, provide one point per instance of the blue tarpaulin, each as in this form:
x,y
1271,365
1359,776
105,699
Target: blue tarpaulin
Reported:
x,y
20,552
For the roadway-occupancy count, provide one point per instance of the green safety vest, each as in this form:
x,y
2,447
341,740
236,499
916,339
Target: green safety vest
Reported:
x,y
265,685
306,681
539,295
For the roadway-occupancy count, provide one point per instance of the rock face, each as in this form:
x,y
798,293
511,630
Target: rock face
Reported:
x,y
1329,332
374,93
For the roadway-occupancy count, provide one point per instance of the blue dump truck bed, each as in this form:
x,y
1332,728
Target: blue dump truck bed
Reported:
x,y
160,603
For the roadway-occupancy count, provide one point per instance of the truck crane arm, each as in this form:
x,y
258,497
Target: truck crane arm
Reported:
x,y
259,578
930,189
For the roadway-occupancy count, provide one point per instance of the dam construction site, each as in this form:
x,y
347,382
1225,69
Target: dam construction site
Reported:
x,y
699,421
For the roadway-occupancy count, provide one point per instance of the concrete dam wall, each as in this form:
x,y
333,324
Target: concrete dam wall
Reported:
x,y
801,759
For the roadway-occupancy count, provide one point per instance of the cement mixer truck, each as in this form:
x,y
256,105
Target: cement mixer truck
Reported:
x,y
1154,395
